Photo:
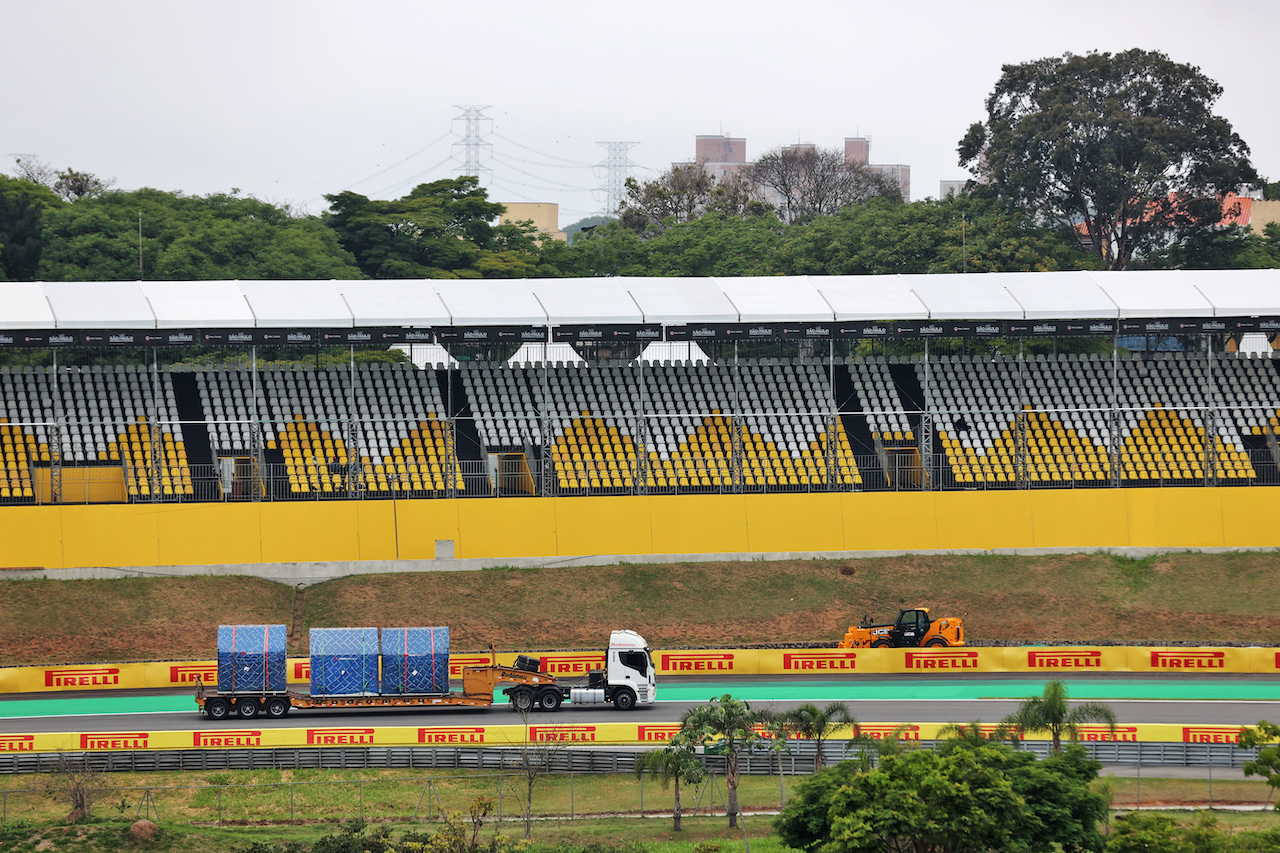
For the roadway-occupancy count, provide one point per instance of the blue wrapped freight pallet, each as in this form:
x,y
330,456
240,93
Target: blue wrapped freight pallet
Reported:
x,y
344,661
415,660
252,658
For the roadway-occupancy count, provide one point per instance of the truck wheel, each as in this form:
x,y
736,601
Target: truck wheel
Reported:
x,y
277,707
522,700
247,709
936,641
881,644
549,700
624,699
217,709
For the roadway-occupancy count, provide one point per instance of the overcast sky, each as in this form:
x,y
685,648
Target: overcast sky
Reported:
x,y
289,101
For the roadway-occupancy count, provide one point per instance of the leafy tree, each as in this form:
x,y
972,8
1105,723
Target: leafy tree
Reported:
x,y
439,230
675,763
1051,713
587,224
679,194
973,734
23,206
1234,247
73,186
966,797
805,182
1263,737
730,724
810,722
186,238
1126,145
952,235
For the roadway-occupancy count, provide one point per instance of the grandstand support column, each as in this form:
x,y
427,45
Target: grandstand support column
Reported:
x,y
735,448
55,440
349,429
1020,423
832,448
157,451
640,474
1115,443
1211,423
546,466
255,431
925,439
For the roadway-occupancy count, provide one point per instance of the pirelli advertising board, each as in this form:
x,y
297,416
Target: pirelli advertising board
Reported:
x,y
718,662
1049,660
505,735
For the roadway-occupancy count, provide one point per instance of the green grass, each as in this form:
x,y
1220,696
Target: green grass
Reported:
x,y
1198,598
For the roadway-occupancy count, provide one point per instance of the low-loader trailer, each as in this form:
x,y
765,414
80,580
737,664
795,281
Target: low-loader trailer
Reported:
x,y
627,680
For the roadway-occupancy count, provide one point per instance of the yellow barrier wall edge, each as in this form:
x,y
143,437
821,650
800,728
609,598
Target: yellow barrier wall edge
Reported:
x,y
1049,661
55,537
506,735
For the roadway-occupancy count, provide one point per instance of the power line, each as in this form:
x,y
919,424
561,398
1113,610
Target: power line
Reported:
x,y
411,178
421,150
563,185
542,153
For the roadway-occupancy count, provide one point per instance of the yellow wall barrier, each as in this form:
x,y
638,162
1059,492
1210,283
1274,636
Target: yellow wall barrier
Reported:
x,y
1048,661
56,537
229,737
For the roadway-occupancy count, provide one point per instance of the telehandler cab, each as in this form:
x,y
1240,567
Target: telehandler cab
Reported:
x,y
913,628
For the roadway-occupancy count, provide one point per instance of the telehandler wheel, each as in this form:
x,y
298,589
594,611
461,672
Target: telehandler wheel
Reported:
x,y
522,700
549,700
936,641
881,644
217,709
624,699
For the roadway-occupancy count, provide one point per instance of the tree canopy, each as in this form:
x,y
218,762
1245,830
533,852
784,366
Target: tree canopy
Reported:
x,y
441,229
1052,714
22,212
966,797
186,238
1126,146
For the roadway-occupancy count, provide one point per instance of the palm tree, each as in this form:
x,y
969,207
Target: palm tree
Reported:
x,y
1051,713
972,734
675,763
731,724
812,723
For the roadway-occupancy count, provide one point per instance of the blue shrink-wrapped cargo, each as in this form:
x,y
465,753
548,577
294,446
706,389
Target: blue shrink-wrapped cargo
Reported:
x,y
344,661
415,660
252,658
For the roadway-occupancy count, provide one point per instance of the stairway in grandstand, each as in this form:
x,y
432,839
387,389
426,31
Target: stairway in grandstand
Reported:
x,y
470,444
187,397
853,416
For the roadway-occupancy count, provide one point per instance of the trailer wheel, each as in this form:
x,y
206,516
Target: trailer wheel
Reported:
x,y
522,700
247,709
277,707
936,641
881,644
549,700
624,699
217,709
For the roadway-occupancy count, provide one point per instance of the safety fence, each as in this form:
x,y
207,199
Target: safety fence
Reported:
x,y
1049,661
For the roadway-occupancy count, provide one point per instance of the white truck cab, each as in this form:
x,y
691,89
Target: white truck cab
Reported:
x,y
628,678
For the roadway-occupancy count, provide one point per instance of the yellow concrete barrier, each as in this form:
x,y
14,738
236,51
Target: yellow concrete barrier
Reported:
x,y
242,737
124,535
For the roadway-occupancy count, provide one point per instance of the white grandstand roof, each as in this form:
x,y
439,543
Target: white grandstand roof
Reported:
x,y
1058,295
776,299
863,297
970,297
681,300
393,303
1154,293
23,306
535,353
586,300
1242,293
184,304
99,305
505,302
296,303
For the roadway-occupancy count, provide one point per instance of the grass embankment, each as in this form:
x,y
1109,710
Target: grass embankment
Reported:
x,y
1185,598
261,805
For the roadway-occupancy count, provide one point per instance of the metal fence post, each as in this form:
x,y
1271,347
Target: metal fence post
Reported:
x,y
219,805
642,796
362,799
291,801
501,785
570,795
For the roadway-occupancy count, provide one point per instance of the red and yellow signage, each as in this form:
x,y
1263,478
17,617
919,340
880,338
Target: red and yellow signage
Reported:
x,y
1049,661
507,735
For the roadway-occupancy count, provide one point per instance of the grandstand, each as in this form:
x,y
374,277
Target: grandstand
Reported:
x,y
801,385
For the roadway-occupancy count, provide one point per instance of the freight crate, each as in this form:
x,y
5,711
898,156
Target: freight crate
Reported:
x,y
415,660
252,658
344,661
